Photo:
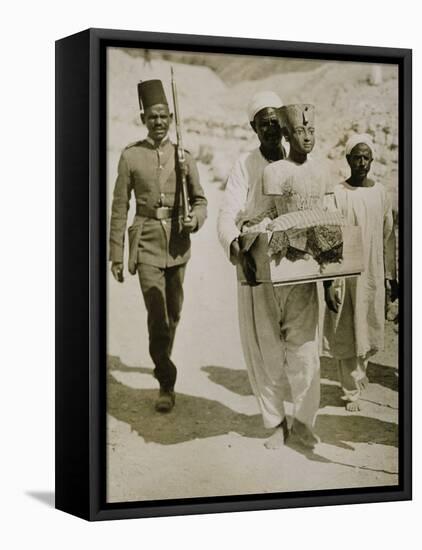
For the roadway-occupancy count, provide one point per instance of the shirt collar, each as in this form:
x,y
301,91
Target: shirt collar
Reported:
x,y
152,142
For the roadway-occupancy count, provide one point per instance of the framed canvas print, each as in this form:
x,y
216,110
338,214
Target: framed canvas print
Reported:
x,y
233,277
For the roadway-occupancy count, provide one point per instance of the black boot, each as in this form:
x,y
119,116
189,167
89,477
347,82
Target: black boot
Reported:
x,y
165,401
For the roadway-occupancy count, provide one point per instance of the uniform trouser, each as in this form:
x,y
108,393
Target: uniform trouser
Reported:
x,y
279,333
162,289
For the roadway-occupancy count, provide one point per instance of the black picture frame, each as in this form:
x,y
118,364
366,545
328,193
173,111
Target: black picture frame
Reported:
x,y
81,273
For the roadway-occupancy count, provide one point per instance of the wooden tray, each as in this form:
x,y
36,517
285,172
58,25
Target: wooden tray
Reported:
x,y
303,271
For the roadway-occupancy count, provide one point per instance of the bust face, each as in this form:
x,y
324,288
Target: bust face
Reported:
x,y
360,160
157,119
302,138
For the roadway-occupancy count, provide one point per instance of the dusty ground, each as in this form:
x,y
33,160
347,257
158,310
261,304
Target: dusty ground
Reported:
x,y
212,443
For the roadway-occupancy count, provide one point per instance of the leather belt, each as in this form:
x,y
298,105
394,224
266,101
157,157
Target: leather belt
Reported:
x,y
159,213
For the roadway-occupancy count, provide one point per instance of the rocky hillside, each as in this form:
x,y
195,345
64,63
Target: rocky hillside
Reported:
x,y
232,68
215,123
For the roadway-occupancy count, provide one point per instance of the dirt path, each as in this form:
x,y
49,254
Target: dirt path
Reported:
x,y
212,443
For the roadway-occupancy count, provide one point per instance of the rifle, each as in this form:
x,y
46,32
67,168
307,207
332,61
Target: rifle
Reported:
x,y
180,152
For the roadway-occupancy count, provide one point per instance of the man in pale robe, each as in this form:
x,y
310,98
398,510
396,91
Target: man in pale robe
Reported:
x,y
354,320
257,307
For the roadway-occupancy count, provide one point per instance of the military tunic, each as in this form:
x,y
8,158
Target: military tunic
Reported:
x,y
150,173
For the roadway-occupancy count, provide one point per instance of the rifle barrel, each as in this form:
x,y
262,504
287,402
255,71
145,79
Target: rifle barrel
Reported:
x,y
176,111
180,150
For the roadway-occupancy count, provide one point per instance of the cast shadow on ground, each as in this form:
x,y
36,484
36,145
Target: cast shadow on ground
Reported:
x,y
234,380
237,381
384,376
192,417
377,374
344,431
199,418
333,429
355,428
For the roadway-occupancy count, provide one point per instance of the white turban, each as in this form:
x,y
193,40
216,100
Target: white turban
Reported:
x,y
360,138
263,100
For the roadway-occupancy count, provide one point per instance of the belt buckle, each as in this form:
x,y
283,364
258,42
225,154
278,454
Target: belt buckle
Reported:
x,y
162,212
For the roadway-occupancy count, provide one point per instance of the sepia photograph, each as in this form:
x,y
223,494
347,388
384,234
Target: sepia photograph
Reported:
x,y
252,275
211,334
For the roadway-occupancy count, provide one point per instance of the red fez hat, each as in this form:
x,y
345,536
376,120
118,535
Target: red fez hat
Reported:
x,y
151,92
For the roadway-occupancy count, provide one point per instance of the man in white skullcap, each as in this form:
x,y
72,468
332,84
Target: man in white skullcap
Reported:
x,y
357,139
354,321
258,315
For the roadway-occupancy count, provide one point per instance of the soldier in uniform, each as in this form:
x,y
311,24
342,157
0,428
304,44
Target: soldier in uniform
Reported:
x,y
159,238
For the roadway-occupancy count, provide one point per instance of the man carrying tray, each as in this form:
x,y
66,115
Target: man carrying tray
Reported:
x,y
258,310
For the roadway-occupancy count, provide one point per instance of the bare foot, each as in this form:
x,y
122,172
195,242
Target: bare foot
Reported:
x,y
305,435
353,406
278,438
276,441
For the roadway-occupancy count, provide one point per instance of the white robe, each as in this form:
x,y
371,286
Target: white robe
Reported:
x,y
357,330
279,337
243,196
